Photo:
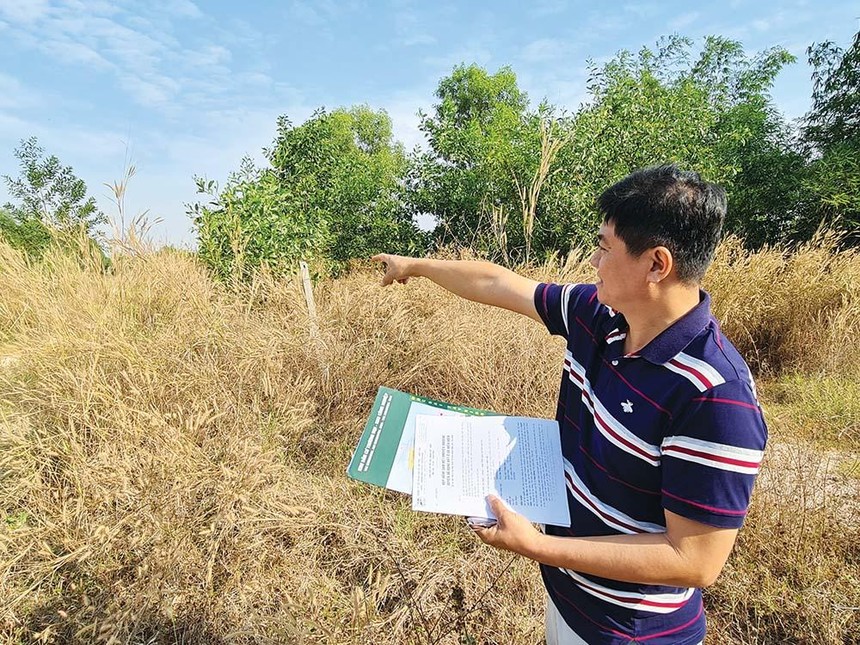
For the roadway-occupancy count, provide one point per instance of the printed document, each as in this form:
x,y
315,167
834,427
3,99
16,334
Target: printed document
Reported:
x,y
385,452
458,461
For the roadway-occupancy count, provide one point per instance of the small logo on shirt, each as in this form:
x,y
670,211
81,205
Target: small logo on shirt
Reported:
x,y
627,406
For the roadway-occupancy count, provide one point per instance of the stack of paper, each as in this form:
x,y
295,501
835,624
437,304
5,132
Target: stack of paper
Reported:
x,y
451,457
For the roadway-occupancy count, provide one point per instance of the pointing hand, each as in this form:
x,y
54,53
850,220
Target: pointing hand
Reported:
x,y
396,268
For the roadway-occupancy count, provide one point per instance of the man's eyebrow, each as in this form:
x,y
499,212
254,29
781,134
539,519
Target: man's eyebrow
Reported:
x,y
601,237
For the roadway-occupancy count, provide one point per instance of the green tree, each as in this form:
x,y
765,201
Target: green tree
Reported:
x,y
709,112
332,192
835,114
30,235
252,222
482,175
50,192
832,137
348,171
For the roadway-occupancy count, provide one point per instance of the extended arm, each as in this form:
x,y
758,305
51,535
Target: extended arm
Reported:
x,y
483,282
688,554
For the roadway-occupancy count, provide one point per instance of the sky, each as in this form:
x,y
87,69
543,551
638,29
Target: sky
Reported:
x,y
182,88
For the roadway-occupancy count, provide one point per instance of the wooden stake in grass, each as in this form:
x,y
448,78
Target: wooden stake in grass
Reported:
x,y
309,299
313,324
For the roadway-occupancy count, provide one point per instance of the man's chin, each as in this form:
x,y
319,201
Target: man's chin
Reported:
x,y
600,295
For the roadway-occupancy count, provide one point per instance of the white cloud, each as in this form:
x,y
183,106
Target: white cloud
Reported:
x,y
70,52
147,61
320,12
212,55
442,64
545,49
258,79
409,30
549,7
184,8
684,20
418,39
13,95
150,90
12,128
642,9
305,12
27,11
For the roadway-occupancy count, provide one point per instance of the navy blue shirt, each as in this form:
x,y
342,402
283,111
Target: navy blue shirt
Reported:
x,y
675,426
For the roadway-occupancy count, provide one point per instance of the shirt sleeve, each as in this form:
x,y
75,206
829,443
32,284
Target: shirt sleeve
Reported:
x,y
559,304
710,464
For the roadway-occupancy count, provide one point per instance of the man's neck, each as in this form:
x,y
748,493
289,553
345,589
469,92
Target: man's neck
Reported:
x,y
657,314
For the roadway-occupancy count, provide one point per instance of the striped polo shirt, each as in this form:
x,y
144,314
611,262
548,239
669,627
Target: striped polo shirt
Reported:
x,y
675,426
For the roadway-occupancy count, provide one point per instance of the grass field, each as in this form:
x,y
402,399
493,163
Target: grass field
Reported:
x,y
172,455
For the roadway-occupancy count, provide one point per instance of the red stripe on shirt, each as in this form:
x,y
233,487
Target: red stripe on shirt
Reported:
x,y
585,327
713,509
572,422
608,429
579,380
694,372
674,629
584,498
639,392
636,601
613,478
713,457
575,607
728,401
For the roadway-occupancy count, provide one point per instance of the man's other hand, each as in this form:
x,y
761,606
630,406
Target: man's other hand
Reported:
x,y
396,268
511,532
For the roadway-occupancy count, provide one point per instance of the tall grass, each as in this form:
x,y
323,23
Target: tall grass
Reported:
x,y
789,310
172,456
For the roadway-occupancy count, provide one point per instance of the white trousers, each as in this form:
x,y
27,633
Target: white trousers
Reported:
x,y
557,631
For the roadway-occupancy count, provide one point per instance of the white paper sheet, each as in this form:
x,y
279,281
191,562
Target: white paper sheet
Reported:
x,y
459,461
400,478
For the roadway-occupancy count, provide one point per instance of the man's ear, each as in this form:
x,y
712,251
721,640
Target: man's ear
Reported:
x,y
662,264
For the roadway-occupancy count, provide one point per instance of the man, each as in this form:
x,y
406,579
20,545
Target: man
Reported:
x,y
661,432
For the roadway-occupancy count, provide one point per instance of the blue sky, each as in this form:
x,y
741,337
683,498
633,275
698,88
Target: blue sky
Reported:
x,y
186,87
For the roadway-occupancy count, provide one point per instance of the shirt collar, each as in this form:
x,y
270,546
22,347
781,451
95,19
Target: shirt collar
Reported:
x,y
674,338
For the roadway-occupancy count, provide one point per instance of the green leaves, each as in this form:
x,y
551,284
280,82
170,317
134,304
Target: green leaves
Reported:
x,y
706,113
709,112
332,193
485,150
832,137
50,192
517,182
28,235
835,114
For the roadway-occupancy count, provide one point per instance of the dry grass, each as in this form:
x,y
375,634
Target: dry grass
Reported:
x,y
172,457
789,311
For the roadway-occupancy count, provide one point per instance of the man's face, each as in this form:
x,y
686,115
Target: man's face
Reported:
x,y
621,277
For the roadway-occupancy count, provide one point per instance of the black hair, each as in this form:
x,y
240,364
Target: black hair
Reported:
x,y
666,206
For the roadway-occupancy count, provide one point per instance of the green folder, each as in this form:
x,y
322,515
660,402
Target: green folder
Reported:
x,y
384,454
